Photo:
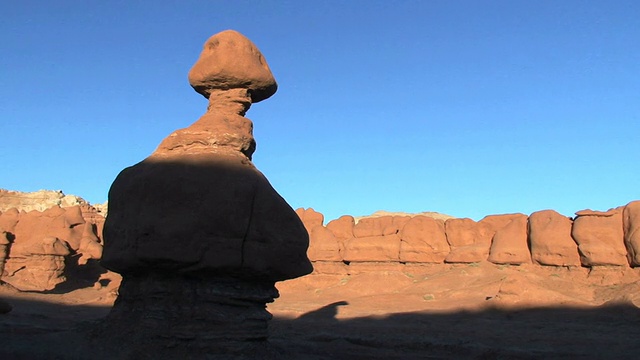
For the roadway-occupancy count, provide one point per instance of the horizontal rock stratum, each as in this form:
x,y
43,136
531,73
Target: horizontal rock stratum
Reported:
x,y
543,238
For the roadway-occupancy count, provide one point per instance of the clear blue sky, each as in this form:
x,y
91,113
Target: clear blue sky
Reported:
x,y
467,108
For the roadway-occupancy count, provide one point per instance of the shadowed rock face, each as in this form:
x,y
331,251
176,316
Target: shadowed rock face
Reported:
x,y
197,232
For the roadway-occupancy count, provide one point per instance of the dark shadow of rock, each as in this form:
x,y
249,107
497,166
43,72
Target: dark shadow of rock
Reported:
x,y
39,330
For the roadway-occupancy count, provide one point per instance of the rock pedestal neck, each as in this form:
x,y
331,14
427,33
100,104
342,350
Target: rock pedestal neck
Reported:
x,y
197,232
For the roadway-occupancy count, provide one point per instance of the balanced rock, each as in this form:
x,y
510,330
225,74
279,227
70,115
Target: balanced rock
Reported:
x,y
231,61
197,232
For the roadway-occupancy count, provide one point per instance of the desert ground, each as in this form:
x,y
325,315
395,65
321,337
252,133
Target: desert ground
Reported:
x,y
374,311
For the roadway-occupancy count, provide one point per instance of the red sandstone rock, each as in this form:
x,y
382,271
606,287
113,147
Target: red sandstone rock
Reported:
x,y
423,240
509,245
551,241
310,218
92,216
230,60
198,203
197,232
374,226
342,227
28,229
600,237
40,266
9,219
372,248
398,223
492,223
90,246
323,245
467,241
631,222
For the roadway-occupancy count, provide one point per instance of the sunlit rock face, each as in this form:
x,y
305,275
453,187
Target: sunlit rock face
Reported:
x,y
197,232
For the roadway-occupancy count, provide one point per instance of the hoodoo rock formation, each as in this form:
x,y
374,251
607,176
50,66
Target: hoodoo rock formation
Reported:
x,y
37,246
197,232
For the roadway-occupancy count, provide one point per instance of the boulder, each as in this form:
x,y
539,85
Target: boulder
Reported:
x,y
342,227
310,218
40,266
323,245
423,239
509,244
231,61
600,237
467,240
374,226
551,241
372,249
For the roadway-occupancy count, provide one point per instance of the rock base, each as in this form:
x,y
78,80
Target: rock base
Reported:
x,y
164,316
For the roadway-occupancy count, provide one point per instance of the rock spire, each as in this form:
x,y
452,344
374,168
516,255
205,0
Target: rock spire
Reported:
x,y
197,232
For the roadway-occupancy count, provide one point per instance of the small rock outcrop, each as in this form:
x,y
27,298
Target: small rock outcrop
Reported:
x,y
31,263
550,239
600,237
509,244
423,239
197,232
39,200
467,241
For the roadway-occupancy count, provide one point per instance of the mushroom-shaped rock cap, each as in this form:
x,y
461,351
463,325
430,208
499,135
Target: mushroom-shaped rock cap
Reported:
x,y
229,60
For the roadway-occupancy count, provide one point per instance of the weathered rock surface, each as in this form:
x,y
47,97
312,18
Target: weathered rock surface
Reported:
x,y
196,221
231,61
323,245
423,239
342,227
310,218
372,248
600,237
509,244
377,226
550,239
631,222
467,241
38,200
27,267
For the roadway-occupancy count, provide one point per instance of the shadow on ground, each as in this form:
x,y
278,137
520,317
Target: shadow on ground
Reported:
x,y
42,330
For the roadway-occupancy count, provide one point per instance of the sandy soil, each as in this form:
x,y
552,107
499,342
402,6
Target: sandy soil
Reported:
x,y
474,311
